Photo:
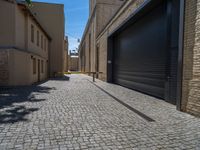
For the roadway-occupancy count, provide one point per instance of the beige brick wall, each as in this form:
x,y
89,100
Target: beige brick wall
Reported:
x,y
73,63
16,68
191,62
103,12
4,72
53,23
102,42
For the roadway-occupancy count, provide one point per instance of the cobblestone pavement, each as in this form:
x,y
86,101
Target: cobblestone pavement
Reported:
x,y
73,113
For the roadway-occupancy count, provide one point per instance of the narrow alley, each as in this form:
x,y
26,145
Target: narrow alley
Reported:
x,y
75,113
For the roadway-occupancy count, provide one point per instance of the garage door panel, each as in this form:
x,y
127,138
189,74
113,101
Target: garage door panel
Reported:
x,y
140,54
140,68
143,74
140,79
149,89
144,50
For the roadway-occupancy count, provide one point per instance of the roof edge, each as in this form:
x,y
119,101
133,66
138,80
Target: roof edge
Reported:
x,y
34,18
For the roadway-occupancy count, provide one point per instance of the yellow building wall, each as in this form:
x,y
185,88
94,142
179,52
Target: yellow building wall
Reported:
x,y
19,75
7,24
51,17
16,49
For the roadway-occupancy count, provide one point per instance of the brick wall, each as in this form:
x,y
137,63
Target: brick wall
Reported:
x,y
4,72
73,63
103,12
191,67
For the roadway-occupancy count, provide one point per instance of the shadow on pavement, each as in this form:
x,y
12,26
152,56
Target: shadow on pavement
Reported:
x,y
15,114
12,108
64,78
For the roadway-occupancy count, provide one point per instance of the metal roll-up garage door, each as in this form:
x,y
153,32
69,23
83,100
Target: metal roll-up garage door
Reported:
x,y
140,53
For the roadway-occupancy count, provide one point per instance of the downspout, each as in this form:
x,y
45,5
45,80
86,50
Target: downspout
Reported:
x,y
180,54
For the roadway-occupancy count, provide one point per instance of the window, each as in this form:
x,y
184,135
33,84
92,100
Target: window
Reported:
x,y
32,33
45,44
42,41
42,66
34,66
38,38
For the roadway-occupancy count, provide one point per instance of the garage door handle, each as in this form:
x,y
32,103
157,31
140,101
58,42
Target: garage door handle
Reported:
x,y
109,62
168,78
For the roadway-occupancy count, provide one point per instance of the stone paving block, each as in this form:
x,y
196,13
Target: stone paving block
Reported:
x,y
76,114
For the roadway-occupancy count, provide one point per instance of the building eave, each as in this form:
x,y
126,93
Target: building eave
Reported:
x,y
26,9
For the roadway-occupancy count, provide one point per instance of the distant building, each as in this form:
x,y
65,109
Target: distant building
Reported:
x,y
51,16
100,13
151,46
73,61
24,46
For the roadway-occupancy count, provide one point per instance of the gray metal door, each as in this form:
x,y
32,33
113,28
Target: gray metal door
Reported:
x,y
142,57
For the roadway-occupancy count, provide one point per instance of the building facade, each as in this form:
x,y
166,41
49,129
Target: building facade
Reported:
x,y
101,11
51,16
151,46
24,46
73,61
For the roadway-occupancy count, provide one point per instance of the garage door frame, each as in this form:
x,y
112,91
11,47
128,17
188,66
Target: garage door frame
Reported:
x,y
143,9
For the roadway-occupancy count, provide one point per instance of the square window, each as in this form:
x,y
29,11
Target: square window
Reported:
x,y
38,38
34,66
42,41
32,34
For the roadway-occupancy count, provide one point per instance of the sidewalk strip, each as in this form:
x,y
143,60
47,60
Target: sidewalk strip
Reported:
x,y
124,104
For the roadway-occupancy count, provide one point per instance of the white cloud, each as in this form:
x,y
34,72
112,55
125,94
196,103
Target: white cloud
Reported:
x,y
73,43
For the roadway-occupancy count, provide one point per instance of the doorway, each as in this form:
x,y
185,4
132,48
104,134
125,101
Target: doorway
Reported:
x,y
97,61
38,70
150,68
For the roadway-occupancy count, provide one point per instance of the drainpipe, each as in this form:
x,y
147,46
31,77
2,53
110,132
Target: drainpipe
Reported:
x,y
180,54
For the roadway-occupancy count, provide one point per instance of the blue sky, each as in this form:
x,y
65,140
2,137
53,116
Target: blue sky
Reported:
x,y
76,15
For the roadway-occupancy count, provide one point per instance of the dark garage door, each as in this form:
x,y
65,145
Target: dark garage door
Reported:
x,y
145,56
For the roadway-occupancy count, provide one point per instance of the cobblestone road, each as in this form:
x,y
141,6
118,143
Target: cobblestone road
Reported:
x,y
73,113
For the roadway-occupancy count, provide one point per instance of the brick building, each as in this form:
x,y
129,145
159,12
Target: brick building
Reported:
x,y
73,61
100,13
51,16
32,43
24,46
151,46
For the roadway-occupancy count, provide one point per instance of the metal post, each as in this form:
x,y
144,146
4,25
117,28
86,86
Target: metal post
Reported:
x,y
180,57
93,77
